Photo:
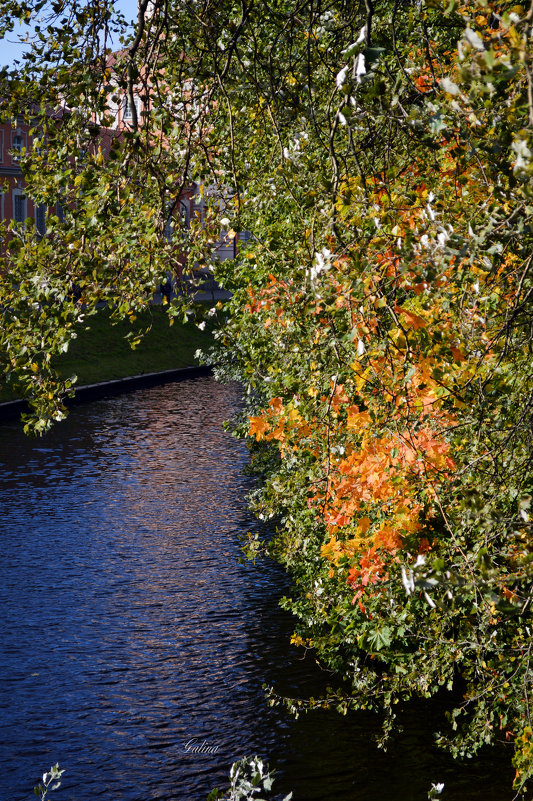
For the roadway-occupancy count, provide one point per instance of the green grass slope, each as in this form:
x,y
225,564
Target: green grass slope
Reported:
x,y
102,353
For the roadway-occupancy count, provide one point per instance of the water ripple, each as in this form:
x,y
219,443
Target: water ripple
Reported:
x,y
130,628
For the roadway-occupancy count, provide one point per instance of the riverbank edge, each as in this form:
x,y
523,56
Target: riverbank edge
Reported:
x,y
91,392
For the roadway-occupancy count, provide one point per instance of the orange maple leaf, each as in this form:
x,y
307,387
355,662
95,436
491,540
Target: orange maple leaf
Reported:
x,y
412,319
258,427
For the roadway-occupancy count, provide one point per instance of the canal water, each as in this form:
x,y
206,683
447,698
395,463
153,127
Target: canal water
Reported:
x,y
131,634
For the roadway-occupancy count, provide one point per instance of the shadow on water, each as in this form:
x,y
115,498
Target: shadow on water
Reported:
x,y
132,634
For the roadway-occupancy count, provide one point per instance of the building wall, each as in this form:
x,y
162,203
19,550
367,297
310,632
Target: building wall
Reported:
x,y
15,205
13,201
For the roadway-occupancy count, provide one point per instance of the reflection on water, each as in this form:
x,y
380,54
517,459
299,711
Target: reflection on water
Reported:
x,y
130,629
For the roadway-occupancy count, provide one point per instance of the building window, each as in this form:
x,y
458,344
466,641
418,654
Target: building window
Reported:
x,y
40,218
184,214
167,230
60,212
19,206
17,145
1,147
169,222
128,111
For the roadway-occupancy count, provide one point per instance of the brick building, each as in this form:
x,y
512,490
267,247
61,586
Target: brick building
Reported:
x,y
14,204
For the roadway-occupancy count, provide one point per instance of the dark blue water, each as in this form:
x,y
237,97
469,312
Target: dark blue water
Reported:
x,y
131,632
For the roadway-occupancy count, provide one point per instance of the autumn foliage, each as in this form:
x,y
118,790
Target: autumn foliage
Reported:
x,y
389,346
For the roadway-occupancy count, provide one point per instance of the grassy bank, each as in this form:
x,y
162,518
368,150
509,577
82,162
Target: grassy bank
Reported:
x,y
102,353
